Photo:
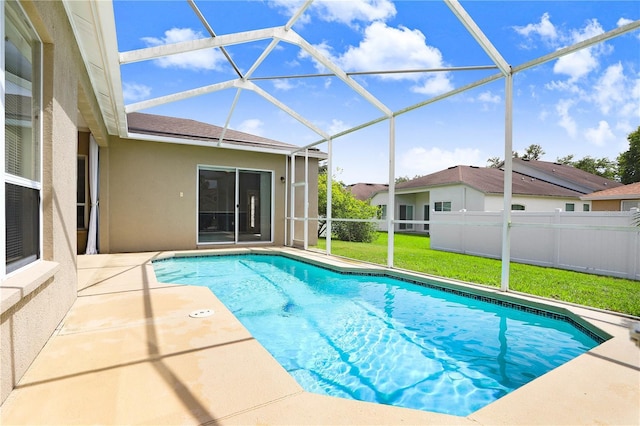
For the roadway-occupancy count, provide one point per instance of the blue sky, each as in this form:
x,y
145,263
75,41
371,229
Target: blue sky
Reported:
x,y
581,104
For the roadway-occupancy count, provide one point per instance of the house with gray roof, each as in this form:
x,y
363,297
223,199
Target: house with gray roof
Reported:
x,y
537,186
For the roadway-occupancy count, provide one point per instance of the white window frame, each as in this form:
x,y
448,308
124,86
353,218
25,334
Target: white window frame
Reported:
x,y
406,226
426,209
383,211
236,170
442,203
37,85
627,205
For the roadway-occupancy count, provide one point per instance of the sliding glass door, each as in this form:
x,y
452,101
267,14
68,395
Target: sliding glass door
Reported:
x,y
234,205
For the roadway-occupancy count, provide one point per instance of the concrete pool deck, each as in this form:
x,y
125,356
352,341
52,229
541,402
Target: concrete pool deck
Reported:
x,y
128,353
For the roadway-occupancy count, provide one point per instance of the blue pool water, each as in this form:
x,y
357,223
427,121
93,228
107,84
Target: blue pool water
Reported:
x,y
380,339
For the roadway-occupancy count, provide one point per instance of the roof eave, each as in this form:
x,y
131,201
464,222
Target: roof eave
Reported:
x,y
611,197
94,28
225,145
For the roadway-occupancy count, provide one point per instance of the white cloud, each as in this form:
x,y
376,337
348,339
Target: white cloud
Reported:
x,y
623,21
288,8
582,62
564,86
208,59
610,88
566,121
386,48
615,93
253,126
576,65
422,161
389,48
283,84
133,92
600,135
488,97
434,84
544,29
623,126
345,12
325,50
348,12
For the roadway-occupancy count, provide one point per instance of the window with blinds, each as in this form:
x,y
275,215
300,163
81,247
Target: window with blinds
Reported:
x,y
22,181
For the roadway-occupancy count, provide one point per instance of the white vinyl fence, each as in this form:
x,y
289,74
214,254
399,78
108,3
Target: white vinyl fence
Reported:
x,y
604,243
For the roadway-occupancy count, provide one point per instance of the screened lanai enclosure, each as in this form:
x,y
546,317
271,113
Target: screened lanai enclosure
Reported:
x,y
381,88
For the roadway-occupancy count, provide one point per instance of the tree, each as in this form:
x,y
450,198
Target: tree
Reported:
x,y
533,152
597,166
494,162
568,160
629,161
401,179
345,206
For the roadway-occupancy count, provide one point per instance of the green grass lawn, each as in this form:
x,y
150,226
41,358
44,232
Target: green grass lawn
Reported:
x,y
413,252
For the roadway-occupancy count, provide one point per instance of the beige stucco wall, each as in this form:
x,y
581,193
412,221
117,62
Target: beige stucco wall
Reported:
x,y
605,205
36,298
149,200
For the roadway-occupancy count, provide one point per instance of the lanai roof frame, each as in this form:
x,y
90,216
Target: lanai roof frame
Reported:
x,y
115,109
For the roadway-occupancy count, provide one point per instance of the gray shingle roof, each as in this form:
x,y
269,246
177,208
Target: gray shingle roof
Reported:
x,y
159,125
364,191
488,180
567,173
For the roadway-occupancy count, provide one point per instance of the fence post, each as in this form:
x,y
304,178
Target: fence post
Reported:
x,y
634,252
464,233
556,238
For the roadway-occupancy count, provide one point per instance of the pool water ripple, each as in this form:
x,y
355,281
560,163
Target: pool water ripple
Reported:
x,y
378,339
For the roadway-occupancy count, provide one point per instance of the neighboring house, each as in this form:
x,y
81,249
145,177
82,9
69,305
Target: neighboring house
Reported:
x,y
164,183
548,187
621,198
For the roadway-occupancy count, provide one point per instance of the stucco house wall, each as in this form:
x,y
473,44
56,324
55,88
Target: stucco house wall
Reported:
x,y
606,205
36,297
150,199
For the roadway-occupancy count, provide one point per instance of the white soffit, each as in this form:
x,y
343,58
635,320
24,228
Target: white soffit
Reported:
x,y
93,24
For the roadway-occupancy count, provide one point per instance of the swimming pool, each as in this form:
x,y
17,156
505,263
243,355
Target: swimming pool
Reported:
x,y
376,338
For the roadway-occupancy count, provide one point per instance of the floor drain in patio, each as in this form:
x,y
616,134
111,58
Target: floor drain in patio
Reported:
x,y
201,313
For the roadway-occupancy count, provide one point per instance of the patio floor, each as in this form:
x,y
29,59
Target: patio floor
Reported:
x,y
128,353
